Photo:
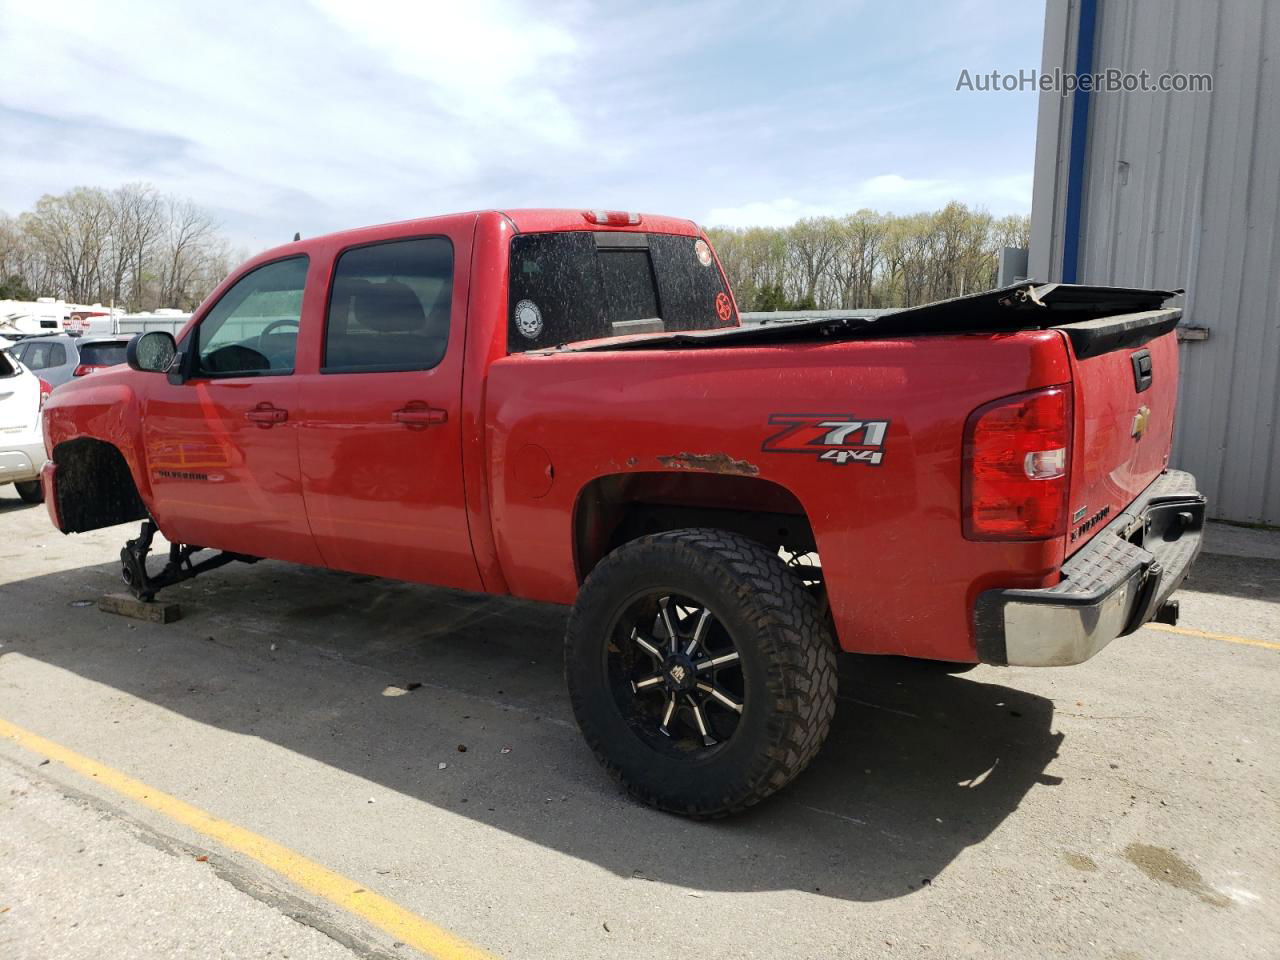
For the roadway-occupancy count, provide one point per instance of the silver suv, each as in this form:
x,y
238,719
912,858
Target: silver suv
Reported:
x,y
58,358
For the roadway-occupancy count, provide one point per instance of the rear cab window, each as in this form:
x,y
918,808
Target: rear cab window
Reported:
x,y
587,285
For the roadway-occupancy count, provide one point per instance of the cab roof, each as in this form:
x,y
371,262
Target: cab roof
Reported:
x,y
533,220
544,221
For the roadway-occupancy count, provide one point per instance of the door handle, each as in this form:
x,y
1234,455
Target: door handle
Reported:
x,y
264,415
418,414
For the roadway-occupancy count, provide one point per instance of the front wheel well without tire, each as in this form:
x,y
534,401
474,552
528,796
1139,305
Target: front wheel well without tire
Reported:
x,y
95,487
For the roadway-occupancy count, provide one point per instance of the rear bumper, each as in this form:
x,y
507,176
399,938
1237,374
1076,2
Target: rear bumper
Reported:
x,y
1119,581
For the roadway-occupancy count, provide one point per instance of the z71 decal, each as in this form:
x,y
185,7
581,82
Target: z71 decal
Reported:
x,y
835,437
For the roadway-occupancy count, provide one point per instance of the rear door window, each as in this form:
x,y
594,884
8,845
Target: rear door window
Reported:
x,y
35,356
586,285
390,306
43,355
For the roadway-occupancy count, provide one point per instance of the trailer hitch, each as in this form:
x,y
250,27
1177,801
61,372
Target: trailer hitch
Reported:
x,y
133,564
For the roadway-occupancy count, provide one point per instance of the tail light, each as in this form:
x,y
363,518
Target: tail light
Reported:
x,y
46,388
82,369
611,218
1017,451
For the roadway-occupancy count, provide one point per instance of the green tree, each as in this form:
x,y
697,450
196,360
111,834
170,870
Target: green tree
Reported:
x,y
867,259
14,287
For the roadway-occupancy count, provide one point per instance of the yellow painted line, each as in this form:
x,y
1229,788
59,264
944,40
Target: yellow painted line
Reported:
x,y
406,927
1226,637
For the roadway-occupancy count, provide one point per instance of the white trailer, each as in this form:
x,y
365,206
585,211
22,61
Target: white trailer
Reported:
x,y
33,318
165,318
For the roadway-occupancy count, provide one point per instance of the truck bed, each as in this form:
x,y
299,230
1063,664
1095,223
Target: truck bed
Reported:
x,y
923,371
1095,317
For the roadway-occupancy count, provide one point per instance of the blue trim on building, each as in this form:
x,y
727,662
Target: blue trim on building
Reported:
x,y
1079,142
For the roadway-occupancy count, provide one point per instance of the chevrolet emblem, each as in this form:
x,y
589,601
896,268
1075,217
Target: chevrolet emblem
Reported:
x,y
1140,420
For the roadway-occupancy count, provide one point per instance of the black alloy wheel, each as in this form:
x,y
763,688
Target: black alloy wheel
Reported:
x,y
701,670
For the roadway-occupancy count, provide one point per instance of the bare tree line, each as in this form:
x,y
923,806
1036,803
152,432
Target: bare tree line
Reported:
x,y
132,246
138,248
867,259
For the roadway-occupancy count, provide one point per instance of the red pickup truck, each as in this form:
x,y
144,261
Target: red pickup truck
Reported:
x,y
564,406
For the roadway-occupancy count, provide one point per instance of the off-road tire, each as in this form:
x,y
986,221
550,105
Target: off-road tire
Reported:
x,y
788,659
30,491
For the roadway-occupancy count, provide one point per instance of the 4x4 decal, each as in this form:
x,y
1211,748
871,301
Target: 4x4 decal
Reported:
x,y
835,437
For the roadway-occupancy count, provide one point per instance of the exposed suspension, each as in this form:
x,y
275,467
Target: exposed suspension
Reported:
x,y
133,561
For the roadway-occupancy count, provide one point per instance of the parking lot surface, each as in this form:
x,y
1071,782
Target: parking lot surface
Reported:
x,y
418,743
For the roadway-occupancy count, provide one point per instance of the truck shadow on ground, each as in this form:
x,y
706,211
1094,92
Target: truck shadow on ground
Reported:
x,y
918,767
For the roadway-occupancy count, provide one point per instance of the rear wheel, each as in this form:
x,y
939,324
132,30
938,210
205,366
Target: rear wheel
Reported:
x,y
700,671
30,491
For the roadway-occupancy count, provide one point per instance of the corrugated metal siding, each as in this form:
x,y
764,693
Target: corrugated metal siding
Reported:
x,y
1183,190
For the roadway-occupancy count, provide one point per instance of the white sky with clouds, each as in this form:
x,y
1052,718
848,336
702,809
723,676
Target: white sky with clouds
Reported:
x,y
314,115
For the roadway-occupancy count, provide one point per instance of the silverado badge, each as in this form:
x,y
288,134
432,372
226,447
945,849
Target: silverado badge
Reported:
x,y
835,437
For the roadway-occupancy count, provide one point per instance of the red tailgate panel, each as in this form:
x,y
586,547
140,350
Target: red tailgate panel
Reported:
x,y
1122,435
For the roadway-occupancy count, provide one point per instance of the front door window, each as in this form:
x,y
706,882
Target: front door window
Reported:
x,y
253,328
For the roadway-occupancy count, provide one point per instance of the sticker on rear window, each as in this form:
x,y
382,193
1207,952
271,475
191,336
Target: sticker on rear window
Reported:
x,y
528,319
724,309
702,250
834,437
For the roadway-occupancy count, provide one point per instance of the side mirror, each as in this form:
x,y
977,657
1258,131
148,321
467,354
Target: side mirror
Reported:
x,y
151,352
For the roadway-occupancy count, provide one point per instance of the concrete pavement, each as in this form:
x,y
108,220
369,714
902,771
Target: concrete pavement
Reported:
x,y
78,879
1122,808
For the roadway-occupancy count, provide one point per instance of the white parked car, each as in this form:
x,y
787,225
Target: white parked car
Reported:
x,y
22,395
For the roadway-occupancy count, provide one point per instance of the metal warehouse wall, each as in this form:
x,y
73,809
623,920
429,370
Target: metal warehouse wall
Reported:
x,y
1182,190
